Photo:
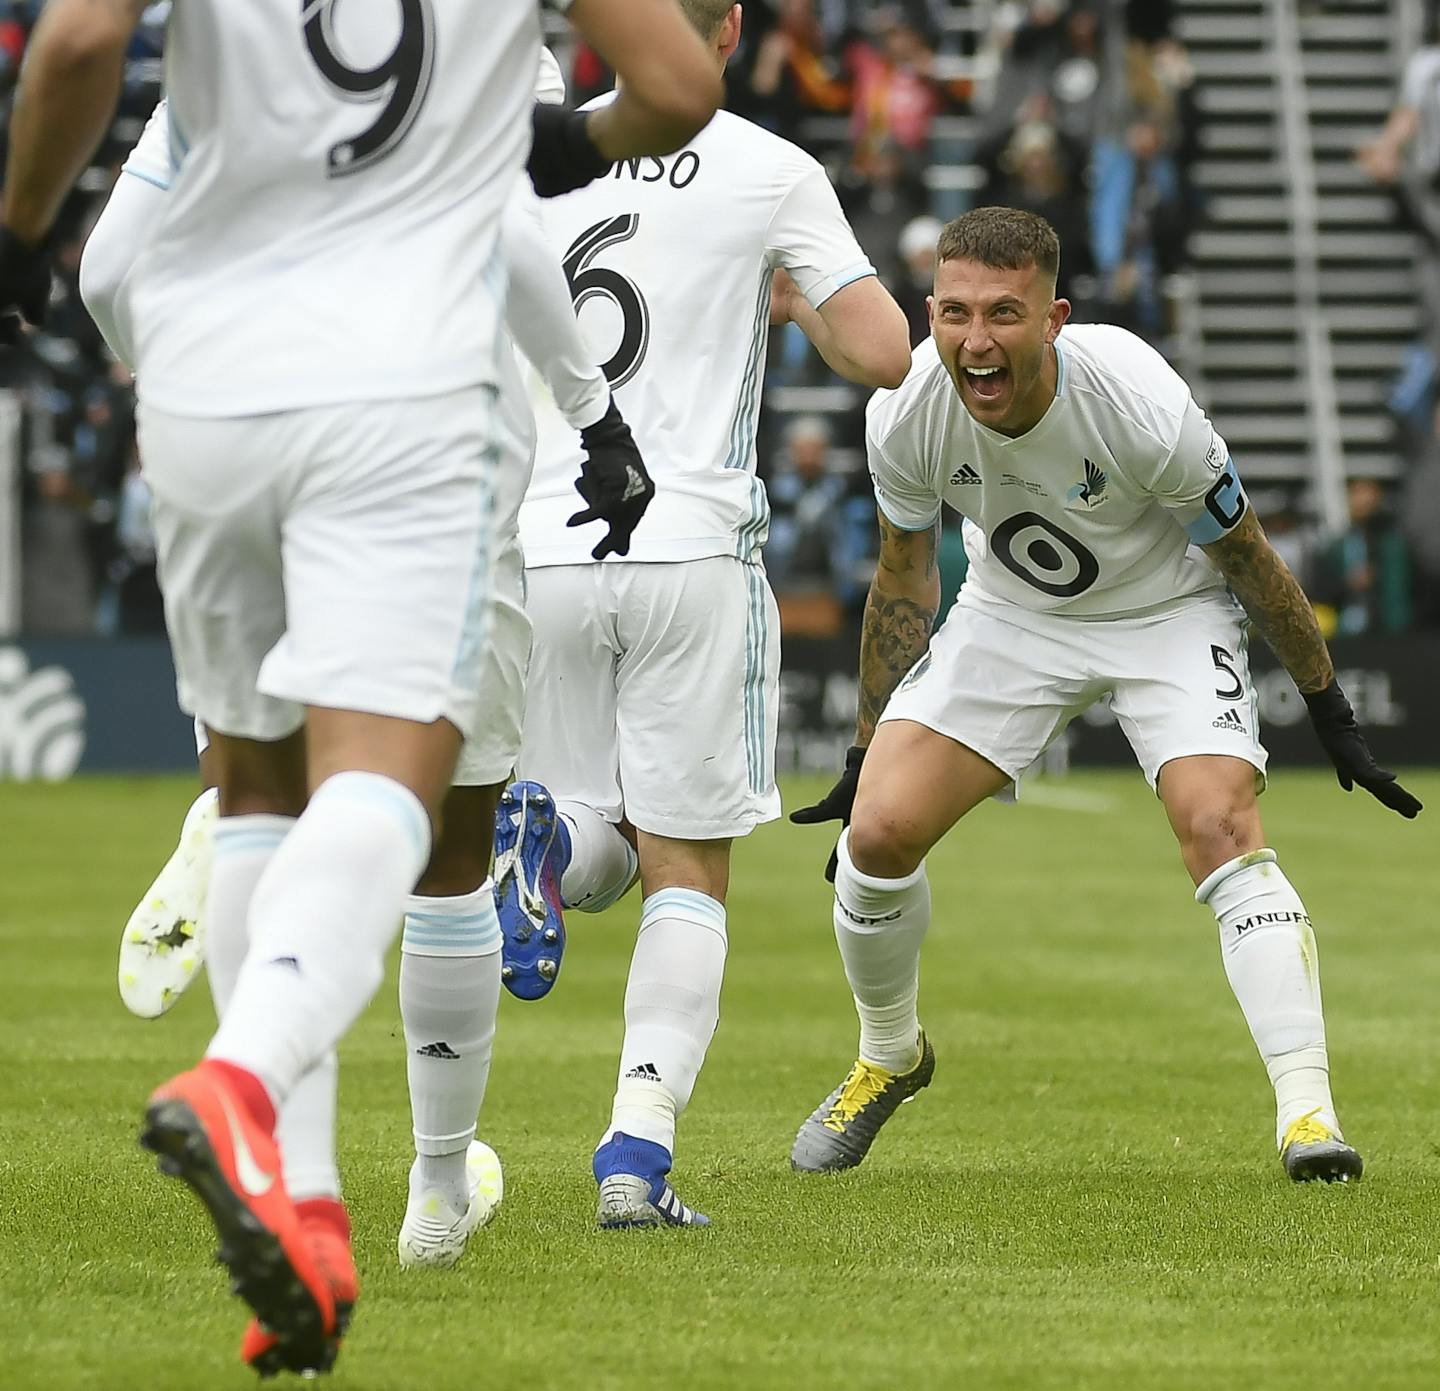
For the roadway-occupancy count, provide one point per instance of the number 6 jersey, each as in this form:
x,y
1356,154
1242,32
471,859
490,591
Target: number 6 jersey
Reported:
x,y
337,174
1098,510
669,262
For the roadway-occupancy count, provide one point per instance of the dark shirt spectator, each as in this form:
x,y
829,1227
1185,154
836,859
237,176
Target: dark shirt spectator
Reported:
x,y
1363,574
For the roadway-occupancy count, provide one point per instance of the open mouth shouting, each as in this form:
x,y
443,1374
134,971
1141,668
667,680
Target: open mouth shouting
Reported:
x,y
986,385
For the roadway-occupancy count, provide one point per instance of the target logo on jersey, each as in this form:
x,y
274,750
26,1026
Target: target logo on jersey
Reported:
x,y
42,721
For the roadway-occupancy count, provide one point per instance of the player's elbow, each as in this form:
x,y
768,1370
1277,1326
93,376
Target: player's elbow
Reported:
x,y
82,42
892,367
883,362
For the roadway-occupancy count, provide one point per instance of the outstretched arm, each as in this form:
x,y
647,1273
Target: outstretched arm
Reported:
x,y
899,613
1277,605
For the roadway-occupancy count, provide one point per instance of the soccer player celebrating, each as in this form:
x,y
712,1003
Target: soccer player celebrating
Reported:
x,y
653,691
317,426
1104,521
450,969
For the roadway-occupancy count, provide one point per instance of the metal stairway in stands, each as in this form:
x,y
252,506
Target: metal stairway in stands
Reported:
x,y
1306,287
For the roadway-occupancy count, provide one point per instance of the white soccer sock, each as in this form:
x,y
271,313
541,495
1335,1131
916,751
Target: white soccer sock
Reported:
x,y
879,925
672,1008
305,1132
1268,950
602,861
449,997
244,847
322,916
305,1129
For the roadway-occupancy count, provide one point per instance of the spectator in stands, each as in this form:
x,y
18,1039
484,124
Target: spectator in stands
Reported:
x,y
1363,574
793,71
819,530
880,198
1138,213
916,278
895,95
1405,156
1039,170
1050,50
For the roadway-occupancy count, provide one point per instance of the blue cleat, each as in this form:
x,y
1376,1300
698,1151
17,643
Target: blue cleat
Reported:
x,y
532,850
634,1191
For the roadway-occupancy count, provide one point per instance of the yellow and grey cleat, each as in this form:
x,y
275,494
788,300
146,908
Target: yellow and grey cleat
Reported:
x,y
163,945
839,1132
433,1234
1311,1150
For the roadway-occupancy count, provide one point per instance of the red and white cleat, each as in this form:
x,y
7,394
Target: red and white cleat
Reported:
x,y
207,1132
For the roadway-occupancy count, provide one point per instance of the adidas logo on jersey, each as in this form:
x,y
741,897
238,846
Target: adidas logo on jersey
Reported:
x,y
966,473
1230,719
644,1072
438,1050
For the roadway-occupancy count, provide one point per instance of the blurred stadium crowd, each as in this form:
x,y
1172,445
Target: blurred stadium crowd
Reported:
x,y
1085,111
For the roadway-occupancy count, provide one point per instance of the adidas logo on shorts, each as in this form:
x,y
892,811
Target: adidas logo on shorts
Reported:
x,y
1230,719
966,473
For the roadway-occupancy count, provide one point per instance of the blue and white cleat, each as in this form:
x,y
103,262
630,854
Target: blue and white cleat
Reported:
x,y
532,850
163,945
634,1191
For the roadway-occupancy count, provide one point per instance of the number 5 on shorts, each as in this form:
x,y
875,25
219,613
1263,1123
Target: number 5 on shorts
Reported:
x,y
1224,661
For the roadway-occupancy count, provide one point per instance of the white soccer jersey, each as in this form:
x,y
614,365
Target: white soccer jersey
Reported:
x,y
669,262
337,177
1098,510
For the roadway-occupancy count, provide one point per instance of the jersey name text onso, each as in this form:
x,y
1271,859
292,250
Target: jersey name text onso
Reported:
x,y
678,171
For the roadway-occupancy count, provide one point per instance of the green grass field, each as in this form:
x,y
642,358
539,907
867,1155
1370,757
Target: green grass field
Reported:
x,y
1087,1197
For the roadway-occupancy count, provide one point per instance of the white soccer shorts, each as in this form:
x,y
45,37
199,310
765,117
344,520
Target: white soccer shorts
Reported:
x,y
1005,681
654,693
339,556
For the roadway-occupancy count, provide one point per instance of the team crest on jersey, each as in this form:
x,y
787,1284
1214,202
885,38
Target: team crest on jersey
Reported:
x,y
1092,491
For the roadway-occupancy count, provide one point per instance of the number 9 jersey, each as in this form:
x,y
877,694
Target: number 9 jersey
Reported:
x,y
1098,510
338,173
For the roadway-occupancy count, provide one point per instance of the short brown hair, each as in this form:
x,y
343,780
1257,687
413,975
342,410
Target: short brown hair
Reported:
x,y
1002,238
707,15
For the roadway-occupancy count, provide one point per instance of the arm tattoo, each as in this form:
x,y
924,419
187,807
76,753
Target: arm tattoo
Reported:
x,y
1277,605
899,613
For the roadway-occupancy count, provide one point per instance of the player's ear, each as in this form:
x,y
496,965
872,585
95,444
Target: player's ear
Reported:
x,y
930,316
1059,313
730,30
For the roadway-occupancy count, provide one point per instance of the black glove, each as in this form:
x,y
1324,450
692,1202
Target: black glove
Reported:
x,y
1334,722
24,284
836,804
563,157
613,481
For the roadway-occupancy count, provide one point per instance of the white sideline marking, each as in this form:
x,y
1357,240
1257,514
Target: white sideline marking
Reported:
x,y
1065,799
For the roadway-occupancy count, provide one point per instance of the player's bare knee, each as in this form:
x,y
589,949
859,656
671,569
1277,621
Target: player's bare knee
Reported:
x,y
880,846
1213,834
